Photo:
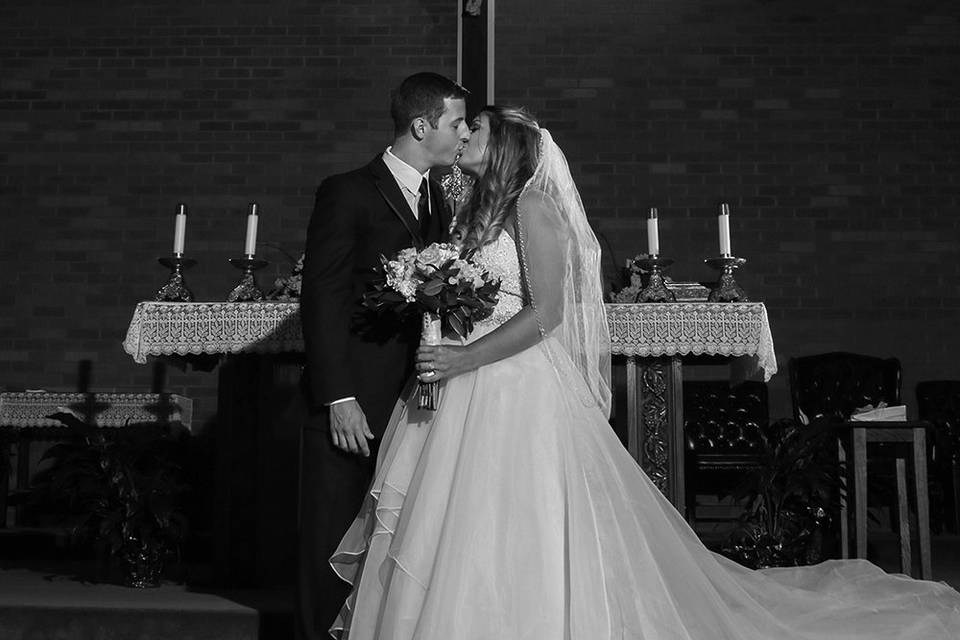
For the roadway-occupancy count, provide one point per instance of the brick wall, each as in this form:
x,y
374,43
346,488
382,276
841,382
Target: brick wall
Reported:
x,y
832,129
111,113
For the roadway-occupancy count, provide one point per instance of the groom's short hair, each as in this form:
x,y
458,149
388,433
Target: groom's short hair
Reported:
x,y
422,95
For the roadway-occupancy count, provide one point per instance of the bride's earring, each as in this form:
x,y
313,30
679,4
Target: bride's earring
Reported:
x,y
453,183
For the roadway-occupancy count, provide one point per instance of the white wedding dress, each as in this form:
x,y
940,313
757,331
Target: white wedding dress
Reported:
x,y
513,512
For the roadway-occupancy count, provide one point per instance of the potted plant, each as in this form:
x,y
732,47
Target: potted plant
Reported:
x,y
788,496
120,489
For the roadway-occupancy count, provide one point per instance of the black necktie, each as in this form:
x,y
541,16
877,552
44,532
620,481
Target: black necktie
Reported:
x,y
423,209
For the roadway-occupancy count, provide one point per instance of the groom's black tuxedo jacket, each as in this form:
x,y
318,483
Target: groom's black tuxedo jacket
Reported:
x,y
359,216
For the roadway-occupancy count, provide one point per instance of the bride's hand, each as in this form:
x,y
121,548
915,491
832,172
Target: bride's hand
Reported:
x,y
439,362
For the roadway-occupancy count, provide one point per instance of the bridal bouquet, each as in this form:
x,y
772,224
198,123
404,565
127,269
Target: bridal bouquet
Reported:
x,y
449,290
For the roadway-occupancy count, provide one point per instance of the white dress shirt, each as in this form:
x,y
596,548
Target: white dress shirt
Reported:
x,y
407,178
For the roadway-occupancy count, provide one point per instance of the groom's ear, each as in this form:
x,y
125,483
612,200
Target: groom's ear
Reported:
x,y
418,128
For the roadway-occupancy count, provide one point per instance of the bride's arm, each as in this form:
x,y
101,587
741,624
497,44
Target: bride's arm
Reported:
x,y
513,336
541,241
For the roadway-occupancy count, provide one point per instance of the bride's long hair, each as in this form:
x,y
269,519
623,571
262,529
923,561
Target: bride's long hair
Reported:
x,y
509,161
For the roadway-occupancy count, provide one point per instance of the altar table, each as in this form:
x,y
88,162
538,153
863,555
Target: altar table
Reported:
x,y
646,332
256,428
653,338
212,328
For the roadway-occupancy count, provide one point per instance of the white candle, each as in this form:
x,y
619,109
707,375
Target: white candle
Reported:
x,y
180,229
724,223
250,246
653,233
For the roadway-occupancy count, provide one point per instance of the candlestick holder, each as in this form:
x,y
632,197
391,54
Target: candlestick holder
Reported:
x,y
176,289
726,288
656,288
247,290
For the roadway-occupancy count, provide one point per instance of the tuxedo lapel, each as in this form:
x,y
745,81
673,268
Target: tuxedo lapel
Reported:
x,y
390,190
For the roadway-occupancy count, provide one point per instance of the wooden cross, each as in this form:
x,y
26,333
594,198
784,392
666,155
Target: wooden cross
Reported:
x,y
475,55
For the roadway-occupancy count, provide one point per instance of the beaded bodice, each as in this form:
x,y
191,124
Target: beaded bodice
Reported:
x,y
500,259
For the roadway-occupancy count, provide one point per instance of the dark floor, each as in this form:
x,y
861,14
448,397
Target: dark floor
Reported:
x,y
47,581
49,590
882,543
945,553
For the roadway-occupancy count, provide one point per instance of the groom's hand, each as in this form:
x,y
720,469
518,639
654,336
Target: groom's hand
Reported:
x,y
349,429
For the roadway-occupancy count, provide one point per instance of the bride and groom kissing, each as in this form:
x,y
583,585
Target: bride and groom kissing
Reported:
x,y
512,510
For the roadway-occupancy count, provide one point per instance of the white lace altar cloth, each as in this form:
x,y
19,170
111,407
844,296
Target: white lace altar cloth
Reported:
x,y
185,328
645,330
31,408
697,328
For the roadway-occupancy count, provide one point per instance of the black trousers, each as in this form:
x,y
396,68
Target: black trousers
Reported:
x,y
332,486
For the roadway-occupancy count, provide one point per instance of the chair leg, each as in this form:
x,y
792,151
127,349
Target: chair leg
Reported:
x,y
903,518
844,499
955,483
860,489
4,480
923,504
23,477
691,509
690,503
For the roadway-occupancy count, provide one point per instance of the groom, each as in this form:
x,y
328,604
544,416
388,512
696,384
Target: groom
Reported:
x,y
356,366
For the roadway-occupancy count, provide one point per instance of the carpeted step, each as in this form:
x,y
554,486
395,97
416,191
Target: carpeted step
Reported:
x,y
35,606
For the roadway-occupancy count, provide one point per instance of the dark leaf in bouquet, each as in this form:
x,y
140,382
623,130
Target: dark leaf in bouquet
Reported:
x,y
468,323
392,297
488,292
457,323
386,293
371,300
385,301
471,303
378,292
428,302
432,287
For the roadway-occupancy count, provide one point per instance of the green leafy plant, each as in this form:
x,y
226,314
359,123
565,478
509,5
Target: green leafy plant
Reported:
x,y
788,497
120,489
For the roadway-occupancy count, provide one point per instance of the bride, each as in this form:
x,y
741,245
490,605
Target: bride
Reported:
x,y
514,512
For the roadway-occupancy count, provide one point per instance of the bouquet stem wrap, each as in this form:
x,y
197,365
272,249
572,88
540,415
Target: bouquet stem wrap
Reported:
x,y
430,334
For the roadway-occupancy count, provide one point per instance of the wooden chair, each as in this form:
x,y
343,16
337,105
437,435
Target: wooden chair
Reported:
x,y
835,385
938,401
722,425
